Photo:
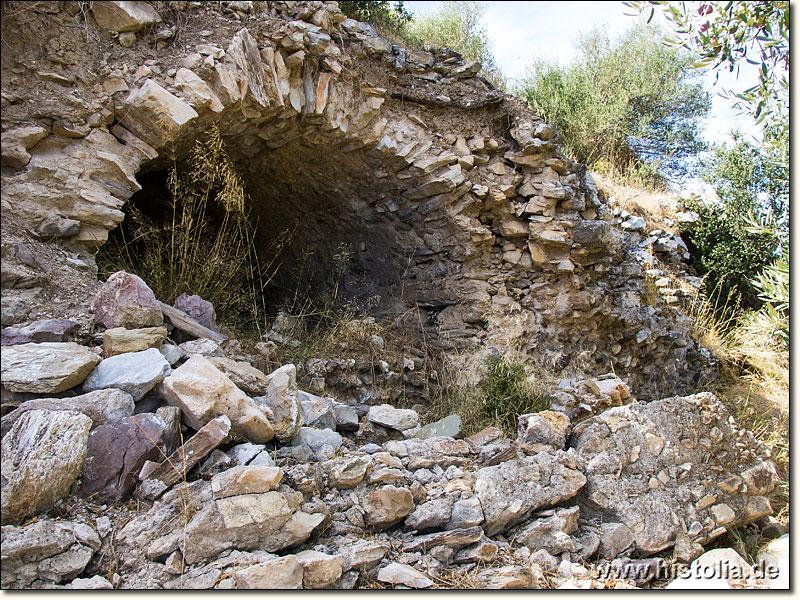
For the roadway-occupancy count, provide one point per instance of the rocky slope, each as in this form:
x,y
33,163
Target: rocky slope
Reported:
x,y
130,460
276,487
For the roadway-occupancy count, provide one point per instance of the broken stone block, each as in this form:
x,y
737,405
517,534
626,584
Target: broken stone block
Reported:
x,y
119,340
102,406
47,330
282,399
116,453
320,570
279,573
386,506
45,551
124,300
244,376
135,372
203,392
545,431
124,16
400,574
45,368
615,446
399,419
198,309
167,473
510,491
42,457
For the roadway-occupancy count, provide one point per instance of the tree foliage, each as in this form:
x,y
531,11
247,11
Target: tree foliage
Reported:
x,y
725,246
631,102
725,33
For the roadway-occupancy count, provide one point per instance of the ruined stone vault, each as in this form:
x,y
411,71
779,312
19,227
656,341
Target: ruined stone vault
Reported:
x,y
455,198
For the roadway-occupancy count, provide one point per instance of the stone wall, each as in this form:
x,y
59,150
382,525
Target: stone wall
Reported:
x,y
456,199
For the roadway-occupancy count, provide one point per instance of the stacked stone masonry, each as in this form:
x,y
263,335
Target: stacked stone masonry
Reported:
x,y
455,197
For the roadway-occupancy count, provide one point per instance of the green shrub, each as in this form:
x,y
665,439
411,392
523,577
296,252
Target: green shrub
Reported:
x,y
505,392
389,18
725,247
629,102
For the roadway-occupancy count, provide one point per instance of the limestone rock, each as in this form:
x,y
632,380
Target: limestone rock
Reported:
x,y
433,514
545,431
17,142
320,570
203,392
203,347
510,577
91,583
42,457
45,551
282,399
47,330
678,474
200,95
552,533
466,513
319,411
510,491
124,16
322,442
116,453
482,552
154,115
102,406
360,553
346,472
135,372
455,538
279,573
399,419
616,539
46,368
400,574
119,340
450,426
124,300
157,478
245,480
386,506
244,376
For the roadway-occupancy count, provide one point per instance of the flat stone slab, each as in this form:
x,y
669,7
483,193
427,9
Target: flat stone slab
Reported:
x,y
45,368
134,372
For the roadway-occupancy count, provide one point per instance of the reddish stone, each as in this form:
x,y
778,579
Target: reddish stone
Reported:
x,y
126,301
200,310
48,330
116,453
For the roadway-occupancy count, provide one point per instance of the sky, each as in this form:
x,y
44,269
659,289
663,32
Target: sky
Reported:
x,y
520,31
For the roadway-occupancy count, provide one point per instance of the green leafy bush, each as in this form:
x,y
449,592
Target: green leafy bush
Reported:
x,y
505,392
632,103
725,247
389,18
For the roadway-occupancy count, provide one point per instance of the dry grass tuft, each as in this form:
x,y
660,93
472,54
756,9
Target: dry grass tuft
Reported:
x,y
652,204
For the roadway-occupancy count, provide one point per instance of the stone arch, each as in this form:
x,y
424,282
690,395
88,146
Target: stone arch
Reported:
x,y
448,188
